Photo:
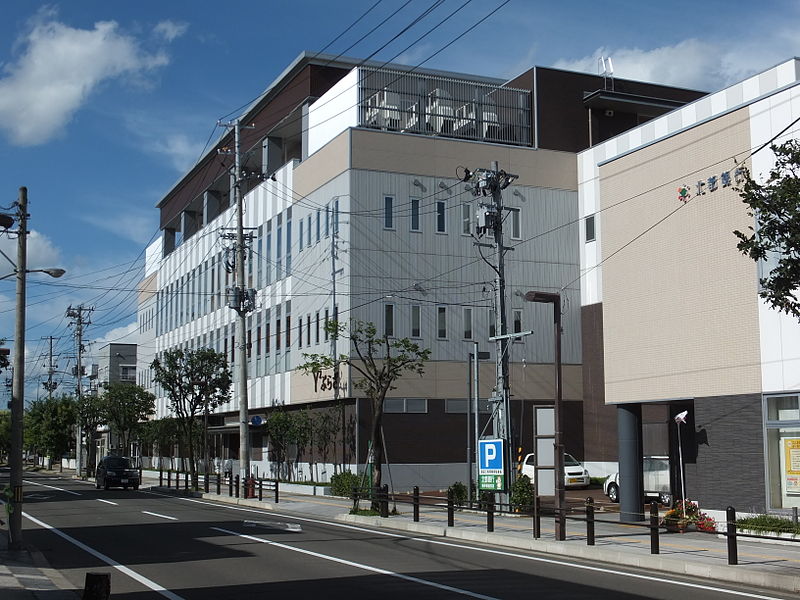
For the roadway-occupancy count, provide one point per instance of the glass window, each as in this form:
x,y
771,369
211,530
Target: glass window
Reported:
x,y
405,405
441,322
308,329
416,405
441,220
415,225
783,408
466,218
289,245
388,212
318,223
316,329
327,220
517,317
327,316
467,323
394,405
300,237
388,320
336,216
415,320
268,272
308,228
589,228
516,226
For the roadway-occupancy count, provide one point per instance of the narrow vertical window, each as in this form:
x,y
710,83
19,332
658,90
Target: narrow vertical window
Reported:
x,y
288,332
441,322
279,250
336,216
308,329
318,223
441,220
327,316
268,248
415,214
300,332
388,212
517,319
300,237
415,320
388,320
466,218
492,323
289,242
516,224
277,335
267,340
589,228
327,220
467,323
308,228
316,329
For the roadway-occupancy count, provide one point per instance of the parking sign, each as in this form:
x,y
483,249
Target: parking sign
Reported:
x,y
491,472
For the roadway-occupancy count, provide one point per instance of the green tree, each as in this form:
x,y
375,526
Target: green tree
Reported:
x,y
775,234
280,426
380,361
50,423
325,426
125,406
91,414
194,381
5,434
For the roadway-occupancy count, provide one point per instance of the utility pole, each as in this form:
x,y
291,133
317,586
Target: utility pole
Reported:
x,y
489,183
50,385
335,317
79,321
242,300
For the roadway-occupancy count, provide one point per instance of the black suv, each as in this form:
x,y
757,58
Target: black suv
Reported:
x,y
116,471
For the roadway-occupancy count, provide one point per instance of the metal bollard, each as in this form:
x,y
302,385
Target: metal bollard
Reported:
x,y
186,482
260,489
733,551
160,477
794,515
169,479
537,517
384,499
450,509
219,483
236,486
654,549
489,513
277,483
590,521
97,586
416,504
230,486
206,482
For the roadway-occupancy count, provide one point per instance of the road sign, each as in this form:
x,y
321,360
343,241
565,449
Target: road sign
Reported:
x,y
256,420
491,461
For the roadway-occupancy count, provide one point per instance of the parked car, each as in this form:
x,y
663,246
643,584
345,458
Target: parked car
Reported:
x,y
655,477
575,476
116,471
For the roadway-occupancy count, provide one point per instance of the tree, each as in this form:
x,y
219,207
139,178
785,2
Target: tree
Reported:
x,y
776,233
380,361
195,381
5,434
280,425
125,406
91,414
49,425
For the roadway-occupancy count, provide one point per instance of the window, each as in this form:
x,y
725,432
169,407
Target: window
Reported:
x,y
441,221
783,450
516,225
441,322
467,323
300,332
388,320
405,405
388,212
316,329
415,214
459,405
300,237
277,335
588,223
308,329
517,322
279,250
289,242
308,228
466,218
327,220
268,273
288,332
327,316
127,372
336,216
267,341
415,320
318,223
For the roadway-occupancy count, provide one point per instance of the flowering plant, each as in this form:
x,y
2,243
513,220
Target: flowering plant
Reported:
x,y
705,522
686,512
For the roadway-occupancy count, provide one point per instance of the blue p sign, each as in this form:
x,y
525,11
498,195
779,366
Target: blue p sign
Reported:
x,y
491,457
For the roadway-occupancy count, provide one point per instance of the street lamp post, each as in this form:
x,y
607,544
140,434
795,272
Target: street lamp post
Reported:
x,y
18,385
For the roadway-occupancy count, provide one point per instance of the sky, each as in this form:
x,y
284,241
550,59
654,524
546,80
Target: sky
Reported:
x,y
105,105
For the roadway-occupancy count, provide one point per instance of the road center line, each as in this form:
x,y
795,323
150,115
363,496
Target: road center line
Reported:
x,y
107,501
147,512
361,566
109,561
52,487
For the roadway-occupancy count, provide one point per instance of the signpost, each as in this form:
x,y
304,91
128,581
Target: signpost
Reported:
x,y
491,474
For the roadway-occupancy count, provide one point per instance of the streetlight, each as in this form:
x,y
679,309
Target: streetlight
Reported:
x,y
18,375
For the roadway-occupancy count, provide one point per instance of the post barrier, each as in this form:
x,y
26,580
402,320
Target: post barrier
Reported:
x,y
733,551
230,486
489,499
219,484
654,541
186,482
416,503
537,517
206,482
384,500
260,489
160,476
277,483
169,479
97,586
450,509
589,521
236,484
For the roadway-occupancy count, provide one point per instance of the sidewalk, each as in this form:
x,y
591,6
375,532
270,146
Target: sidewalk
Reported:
x,y
24,576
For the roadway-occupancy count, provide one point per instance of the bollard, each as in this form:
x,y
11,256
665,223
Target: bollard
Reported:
x,y
186,482
219,483
260,489
230,486
160,476
206,481
237,481
416,504
177,481
794,515
450,508
590,521
654,549
169,479
489,499
276,490
733,551
97,586
537,517
384,499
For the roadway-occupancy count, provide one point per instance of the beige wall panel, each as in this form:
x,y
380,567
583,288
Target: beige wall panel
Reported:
x,y
322,166
680,312
439,157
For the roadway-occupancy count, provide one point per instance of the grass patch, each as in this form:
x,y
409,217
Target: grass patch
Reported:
x,y
768,524
364,512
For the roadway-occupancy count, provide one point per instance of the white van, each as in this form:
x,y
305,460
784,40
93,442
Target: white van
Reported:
x,y
655,477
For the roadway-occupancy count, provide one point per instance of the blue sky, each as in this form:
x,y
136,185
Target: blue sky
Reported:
x,y
104,105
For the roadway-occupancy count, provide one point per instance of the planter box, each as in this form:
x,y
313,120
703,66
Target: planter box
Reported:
x,y
784,539
309,490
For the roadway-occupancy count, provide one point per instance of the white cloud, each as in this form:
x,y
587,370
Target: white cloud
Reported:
x,y
126,334
165,138
41,253
57,70
170,30
138,225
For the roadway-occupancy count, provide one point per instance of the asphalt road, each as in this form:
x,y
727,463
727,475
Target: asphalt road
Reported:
x,y
159,546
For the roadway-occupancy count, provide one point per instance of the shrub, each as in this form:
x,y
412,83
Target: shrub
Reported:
x,y
342,484
459,493
522,494
768,524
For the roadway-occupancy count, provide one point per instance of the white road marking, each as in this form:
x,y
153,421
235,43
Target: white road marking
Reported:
x,y
293,527
550,561
107,501
52,487
158,515
109,561
361,566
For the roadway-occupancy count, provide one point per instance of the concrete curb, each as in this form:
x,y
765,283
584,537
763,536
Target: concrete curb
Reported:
x,y
603,554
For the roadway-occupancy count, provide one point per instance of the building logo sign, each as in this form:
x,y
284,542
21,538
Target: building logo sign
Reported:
x,y
711,184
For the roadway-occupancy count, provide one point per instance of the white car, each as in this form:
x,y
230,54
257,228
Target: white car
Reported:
x,y
575,476
655,477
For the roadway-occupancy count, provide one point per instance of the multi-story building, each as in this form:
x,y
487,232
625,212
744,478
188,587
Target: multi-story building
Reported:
x,y
352,177
672,316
